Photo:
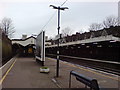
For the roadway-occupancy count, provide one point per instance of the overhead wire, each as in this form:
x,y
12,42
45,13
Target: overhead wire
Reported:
x,y
52,16
49,20
64,2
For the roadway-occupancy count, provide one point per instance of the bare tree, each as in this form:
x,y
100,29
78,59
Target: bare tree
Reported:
x,y
7,27
95,26
118,21
66,31
110,21
0,33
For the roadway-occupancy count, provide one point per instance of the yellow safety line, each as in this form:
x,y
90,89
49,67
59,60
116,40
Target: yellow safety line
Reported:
x,y
89,70
3,78
94,72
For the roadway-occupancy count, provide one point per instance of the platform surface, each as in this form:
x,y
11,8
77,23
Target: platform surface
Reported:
x,y
25,74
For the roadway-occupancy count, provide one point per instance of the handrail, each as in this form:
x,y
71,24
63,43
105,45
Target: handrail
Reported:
x,y
92,83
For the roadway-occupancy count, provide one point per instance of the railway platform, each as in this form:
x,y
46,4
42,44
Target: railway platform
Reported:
x,y
25,73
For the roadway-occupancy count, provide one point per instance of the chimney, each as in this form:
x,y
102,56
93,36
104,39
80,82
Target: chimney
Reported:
x,y
24,36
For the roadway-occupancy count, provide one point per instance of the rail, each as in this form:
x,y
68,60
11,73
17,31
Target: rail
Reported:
x,y
104,65
92,83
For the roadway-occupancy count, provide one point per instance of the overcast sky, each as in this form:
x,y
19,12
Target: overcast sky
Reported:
x,y
30,16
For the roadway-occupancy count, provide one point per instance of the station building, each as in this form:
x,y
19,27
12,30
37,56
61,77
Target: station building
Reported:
x,y
24,46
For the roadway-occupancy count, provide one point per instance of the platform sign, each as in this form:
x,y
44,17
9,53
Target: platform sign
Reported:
x,y
40,47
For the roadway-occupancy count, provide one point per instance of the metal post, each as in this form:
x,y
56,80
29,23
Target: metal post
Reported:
x,y
70,80
58,8
57,72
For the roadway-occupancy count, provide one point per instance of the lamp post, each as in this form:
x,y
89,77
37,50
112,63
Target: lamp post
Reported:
x,y
58,8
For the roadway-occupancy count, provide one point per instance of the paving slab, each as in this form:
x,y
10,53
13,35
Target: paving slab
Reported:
x,y
25,74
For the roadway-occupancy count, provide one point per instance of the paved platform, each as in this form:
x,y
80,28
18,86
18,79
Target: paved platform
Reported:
x,y
25,74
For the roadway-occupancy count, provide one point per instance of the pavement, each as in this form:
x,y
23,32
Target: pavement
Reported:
x,y
25,74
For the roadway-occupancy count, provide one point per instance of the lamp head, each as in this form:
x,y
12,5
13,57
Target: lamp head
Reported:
x,y
61,8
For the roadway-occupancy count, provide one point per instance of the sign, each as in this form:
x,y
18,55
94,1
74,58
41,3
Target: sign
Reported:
x,y
40,47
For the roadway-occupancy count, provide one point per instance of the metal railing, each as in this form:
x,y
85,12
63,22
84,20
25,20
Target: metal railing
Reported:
x,y
92,83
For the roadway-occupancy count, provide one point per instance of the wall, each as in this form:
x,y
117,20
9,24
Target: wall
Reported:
x,y
6,48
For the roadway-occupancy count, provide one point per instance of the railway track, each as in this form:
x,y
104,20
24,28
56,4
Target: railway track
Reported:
x,y
106,66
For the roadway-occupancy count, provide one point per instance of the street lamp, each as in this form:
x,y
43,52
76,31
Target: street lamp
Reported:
x,y
59,8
